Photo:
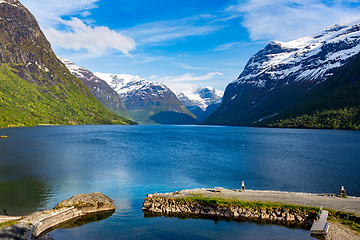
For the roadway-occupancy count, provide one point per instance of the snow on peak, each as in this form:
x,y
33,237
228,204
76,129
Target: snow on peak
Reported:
x,y
73,68
201,97
15,3
124,84
303,59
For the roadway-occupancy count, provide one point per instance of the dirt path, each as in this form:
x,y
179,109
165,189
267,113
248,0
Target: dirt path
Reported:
x,y
338,231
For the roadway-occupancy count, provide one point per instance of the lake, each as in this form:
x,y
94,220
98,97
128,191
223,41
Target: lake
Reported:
x,y
42,166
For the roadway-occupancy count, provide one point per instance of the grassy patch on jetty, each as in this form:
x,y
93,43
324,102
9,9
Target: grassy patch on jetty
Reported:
x,y
223,202
351,224
9,223
345,218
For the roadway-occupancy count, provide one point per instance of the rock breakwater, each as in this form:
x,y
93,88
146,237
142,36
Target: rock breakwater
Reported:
x,y
229,209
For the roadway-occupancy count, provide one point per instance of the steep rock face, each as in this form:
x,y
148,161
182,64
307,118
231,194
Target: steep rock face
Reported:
x,y
334,103
202,102
278,77
35,86
148,102
98,88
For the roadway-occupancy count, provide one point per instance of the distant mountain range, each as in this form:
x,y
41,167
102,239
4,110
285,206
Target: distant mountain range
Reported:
x,y
35,87
202,102
285,74
145,101
312,82
148,102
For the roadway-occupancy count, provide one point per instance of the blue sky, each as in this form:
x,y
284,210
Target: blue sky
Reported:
x,y
183,43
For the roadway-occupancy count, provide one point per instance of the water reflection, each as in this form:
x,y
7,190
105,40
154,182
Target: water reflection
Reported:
x,y
216,219
80,221
23,196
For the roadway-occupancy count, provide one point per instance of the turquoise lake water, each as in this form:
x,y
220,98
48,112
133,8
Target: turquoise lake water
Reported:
x,y
42,166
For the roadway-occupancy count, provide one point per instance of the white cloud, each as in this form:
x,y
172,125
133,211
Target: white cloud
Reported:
x,y
189,77
78,35
189,67
184,83
145,58
96,40
48,12
291,19
162,32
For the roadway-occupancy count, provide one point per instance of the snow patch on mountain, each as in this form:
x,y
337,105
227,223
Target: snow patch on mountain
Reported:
x,y
201,97
77,71
11,2
304,59
126,84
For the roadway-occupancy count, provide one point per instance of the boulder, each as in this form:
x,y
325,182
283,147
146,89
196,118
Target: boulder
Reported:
x,y
89,203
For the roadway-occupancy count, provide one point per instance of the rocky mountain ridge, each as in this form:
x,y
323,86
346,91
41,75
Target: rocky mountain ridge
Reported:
x,y
201,97
98,88
279,76
148,102
202,102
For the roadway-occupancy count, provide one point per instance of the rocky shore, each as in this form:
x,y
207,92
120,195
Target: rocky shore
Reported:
x,y
33,225
288,208
177,203
348,204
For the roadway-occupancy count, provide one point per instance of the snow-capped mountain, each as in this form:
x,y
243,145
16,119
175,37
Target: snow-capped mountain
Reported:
x,y
145,100
305,59
202,102
201,97
98,88
278,76
127,86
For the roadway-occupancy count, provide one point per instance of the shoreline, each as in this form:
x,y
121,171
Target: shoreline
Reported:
x,y
34,225
274,207
349,204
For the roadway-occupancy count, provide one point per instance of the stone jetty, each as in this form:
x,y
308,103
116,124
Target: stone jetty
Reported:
x,y
303,210
33,225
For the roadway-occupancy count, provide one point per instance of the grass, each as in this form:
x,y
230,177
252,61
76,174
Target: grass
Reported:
x,y
344,218
243,204
66,102
340,216
8,223
353,225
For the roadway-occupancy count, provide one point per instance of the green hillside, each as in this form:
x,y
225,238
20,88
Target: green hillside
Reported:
x,y
35,87
27,104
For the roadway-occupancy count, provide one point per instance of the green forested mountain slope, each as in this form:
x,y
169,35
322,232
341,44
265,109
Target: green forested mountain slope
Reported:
x,y
23,103
35,87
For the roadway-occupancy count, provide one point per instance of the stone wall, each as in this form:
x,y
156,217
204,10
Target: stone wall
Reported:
x,y
171,206
56,218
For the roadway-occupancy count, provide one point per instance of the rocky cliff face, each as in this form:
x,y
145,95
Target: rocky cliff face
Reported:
x,y
333,104
35,86
148,102
279,76
98,88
